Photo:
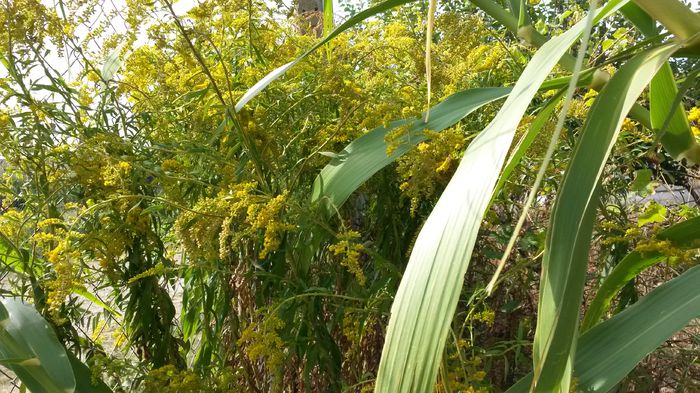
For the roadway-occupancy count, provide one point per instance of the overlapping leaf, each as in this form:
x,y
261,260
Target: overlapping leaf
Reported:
x,y
366,155
31,349
428,293
610,350
569,235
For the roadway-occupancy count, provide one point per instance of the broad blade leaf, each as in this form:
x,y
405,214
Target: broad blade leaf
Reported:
x,y
568,239
26,335
609,351
666,110
366,155
668,117
428,293
112,63
85,379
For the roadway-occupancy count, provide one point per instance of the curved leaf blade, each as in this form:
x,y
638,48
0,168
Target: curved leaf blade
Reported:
x,y
571,226
610,350
667,115
669,119
25,335
366,155
428,293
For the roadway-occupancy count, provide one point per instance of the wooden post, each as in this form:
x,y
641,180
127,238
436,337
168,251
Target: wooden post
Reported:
x,y
311,12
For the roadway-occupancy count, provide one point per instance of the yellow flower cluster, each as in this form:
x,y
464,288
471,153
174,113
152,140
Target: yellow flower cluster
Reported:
x,y
425,169
261,341
666,248
116,175
467,377
154,271
196,228
694,119
268,217
168,379
63,258
230,217
349,250
488,317
138,221
170,165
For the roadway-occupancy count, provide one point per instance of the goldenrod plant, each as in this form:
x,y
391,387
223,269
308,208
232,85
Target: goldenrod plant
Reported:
x,y
430,196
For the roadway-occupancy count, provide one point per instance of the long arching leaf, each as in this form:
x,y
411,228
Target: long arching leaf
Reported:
x,y
366,155
428,293
569,235
29,347
610,350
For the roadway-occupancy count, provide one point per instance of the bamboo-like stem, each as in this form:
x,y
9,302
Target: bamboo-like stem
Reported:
x,y
676,17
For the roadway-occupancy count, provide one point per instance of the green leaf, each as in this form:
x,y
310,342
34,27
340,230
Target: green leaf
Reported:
x,y
429,290
84,378
366,155
669,119
642,178
620,33
682,235
26,335
640,19
653,213
82,291
568,239
666,110
565,15
542,118
352,21
327,16
609,351
607,44
112,64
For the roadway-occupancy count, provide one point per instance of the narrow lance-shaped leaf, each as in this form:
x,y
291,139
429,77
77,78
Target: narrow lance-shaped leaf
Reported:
x,y
610,350
682,235
428,293
327,16
569,235
352,21
367,154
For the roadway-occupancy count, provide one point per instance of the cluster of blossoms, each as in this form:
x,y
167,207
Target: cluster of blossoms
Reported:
x,y
430,165
57,246
233,216
262,341
694,119
350,250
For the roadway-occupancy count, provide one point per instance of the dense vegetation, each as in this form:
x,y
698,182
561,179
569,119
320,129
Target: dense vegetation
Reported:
x,y
180,231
